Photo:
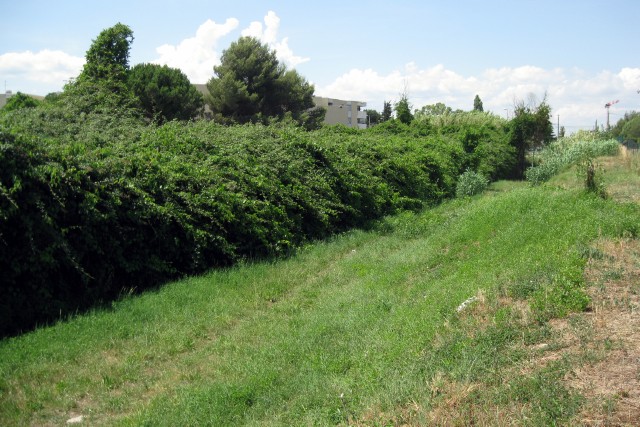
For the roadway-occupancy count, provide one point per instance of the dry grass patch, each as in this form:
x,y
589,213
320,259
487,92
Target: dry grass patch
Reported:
x,y
611,386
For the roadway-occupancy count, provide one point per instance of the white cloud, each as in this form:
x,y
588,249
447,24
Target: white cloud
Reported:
x,y
577,97
44,69
269,35
196,56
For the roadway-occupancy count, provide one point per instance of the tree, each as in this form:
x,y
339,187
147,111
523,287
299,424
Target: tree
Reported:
x,y
477,104
403,109
108,56
313,118
250,85
165,93
102,83
20,100
386,111
616,130
437,109
631,129
530,127
374,117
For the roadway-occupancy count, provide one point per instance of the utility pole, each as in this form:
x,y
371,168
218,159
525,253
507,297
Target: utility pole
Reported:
x,y
558,133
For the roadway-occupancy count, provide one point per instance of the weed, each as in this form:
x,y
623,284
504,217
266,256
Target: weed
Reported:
x,y
471,183
559,298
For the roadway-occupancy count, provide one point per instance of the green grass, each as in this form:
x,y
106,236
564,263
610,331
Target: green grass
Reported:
x,y
620,176
355,330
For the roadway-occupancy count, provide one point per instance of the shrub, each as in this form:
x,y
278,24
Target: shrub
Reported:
x,y
93,200
471,183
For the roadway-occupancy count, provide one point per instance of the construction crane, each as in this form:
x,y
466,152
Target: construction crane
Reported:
x,y
607,105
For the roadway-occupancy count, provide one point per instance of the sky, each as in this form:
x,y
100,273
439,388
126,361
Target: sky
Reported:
x,y
581,54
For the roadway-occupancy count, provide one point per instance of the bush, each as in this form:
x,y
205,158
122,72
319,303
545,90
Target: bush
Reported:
x,y
471,183
97,202
94,201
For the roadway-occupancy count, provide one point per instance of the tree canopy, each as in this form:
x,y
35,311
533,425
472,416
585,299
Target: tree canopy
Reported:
x,y
403,109
165,93
251,85
108,56
617,129
531,127
386,111
477,104
437,109
374,117
631,129
20,100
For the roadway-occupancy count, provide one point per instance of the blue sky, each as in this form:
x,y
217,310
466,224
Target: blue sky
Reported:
x,y
582,54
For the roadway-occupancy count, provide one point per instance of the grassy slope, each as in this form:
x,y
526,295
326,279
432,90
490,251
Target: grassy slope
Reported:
x,y
362,329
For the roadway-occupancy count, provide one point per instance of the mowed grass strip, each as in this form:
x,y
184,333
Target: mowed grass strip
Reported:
x,y
344,332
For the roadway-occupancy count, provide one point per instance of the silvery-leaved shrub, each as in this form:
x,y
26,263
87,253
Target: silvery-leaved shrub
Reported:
x,y
471,183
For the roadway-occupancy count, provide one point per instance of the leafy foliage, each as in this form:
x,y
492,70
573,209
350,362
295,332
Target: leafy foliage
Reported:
x,y
437,109
403,109
96,201
116,204
374,116
471,183
108,57
531,127
617,129
477,104
631,129
386,111
250,85
20,100
165,93
484,138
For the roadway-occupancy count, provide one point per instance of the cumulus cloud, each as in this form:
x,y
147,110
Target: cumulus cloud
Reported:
x,y
269,34
46,68
196,56
576,96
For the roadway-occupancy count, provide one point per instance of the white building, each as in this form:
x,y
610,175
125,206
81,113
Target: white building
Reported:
x,y
348,113
4,97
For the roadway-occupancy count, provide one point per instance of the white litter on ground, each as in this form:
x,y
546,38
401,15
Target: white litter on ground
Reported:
x,y
466,302
75,420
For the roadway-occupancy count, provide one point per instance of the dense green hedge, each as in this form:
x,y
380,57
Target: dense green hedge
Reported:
x,y
94,204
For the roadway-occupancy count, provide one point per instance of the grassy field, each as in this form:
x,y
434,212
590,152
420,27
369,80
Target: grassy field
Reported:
x,y
443,317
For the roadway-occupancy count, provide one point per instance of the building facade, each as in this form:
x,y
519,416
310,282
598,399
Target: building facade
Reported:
x,y
348,113
4,97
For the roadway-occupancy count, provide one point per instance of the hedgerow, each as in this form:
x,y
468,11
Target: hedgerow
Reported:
x,y
96,203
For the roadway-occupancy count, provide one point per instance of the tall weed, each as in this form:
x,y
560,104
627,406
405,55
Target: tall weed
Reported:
x,y
567,152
